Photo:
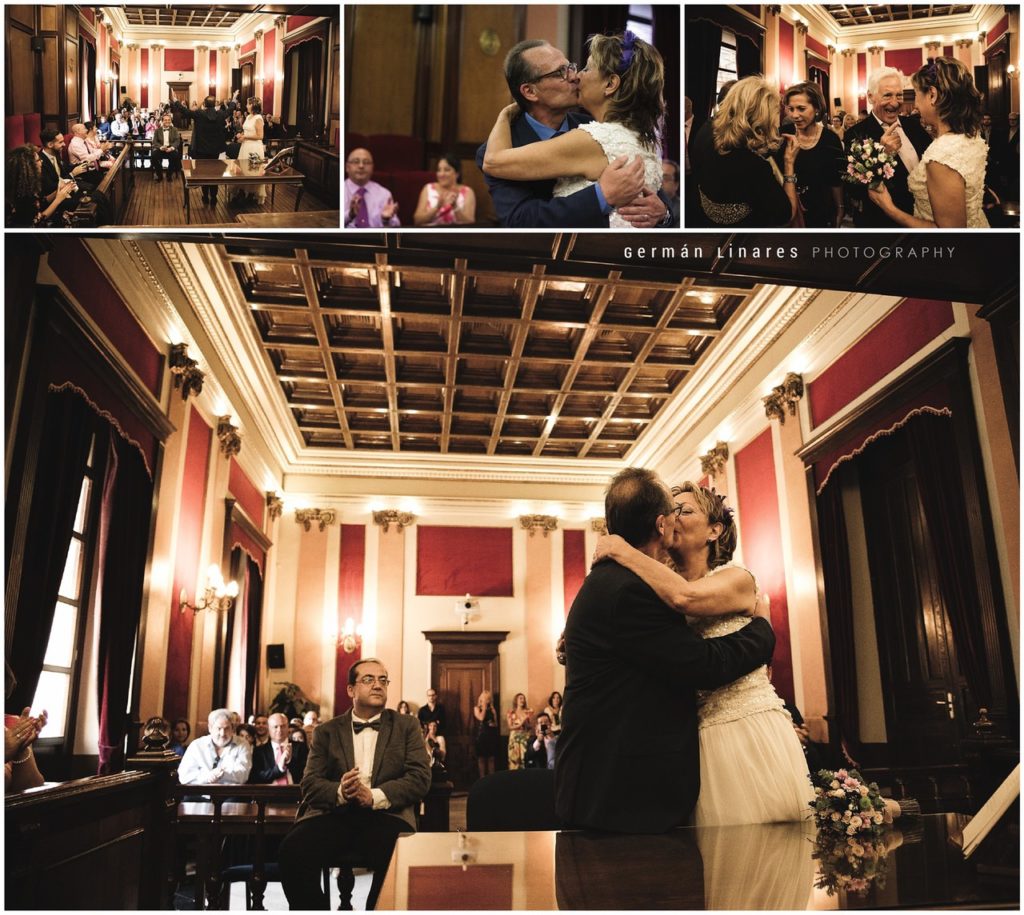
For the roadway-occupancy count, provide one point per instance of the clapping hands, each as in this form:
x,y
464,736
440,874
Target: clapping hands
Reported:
x,y
389,209
22,734
354,791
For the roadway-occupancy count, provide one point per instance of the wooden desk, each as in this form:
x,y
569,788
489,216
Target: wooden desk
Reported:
x,y
730,867
307,219
233,173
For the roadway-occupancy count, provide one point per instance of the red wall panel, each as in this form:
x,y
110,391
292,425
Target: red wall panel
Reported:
x,y
912,325
179,59
862,82
297,22
213,74
907,60
186,565
351,573
816,46
997,30
464,560
246,493
787,72
70,260
761,534
146,78
574,564
250,45
269,71
947,51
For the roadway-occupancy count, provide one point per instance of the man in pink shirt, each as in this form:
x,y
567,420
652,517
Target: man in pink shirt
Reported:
x,y
80,151
368,205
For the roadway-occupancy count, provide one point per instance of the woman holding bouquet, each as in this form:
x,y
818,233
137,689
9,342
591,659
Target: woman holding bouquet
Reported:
x,y
736,182
820,161
948,183
746,736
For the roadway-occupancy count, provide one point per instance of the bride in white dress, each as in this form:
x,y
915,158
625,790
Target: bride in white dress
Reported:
x,y
948,183
252,141
752,767
621,87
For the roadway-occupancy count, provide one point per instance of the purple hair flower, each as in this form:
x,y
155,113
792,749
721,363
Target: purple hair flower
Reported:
x,y
628,40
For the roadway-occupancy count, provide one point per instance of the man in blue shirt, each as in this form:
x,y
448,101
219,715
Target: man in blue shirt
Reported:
x,y
545,85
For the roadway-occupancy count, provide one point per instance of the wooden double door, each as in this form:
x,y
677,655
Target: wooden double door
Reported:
x,y
462,665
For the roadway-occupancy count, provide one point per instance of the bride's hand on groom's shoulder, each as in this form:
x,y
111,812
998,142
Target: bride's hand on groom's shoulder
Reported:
x,y
605,548
763,607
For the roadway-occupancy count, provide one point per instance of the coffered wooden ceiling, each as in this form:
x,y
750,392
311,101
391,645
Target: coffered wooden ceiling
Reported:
x,y
523,347
176,16
849,14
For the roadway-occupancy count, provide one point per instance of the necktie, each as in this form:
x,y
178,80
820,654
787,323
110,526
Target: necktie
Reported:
x,y
908,155
279,762
358,726
362,213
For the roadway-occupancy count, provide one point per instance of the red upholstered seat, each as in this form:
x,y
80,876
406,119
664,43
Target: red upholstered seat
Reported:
x,y
396,152
355,141
405,187
20,129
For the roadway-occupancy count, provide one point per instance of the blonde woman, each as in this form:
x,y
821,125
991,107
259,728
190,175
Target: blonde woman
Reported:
x,y
487,740
736,183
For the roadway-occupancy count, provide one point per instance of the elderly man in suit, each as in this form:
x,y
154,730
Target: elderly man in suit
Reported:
x,y
627,757
546,87
903,138
279,761
166,145
367,771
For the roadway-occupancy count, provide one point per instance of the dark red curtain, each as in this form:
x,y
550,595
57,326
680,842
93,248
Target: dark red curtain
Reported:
x,y
253,625
68,428
931,441
835,563
122,548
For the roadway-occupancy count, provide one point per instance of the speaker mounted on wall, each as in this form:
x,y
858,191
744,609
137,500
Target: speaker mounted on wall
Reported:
x,y
275,656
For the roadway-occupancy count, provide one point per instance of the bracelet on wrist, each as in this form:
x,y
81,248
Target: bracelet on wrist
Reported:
x,y
24,759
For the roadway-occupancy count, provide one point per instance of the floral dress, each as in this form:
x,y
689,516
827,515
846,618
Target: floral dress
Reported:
x,y
518,736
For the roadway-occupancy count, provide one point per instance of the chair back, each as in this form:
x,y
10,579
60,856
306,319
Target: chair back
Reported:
x,y
516,800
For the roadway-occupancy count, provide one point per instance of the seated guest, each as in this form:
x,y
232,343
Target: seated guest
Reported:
x,y
279,761
80,150
136,126
103,128
20,732
96,142
180,732
247,732
355,800
27,206
403,708
367,204
446,202
437,750
734,184
54,168
540,753
296,734
119,127
220,758
261,725
166,145
310,722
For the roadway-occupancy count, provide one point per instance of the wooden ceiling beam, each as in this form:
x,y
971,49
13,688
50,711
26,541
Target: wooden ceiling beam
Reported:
x,y
457,292
387,335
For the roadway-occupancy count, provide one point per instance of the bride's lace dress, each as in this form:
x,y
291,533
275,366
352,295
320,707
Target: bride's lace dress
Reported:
x,y
752,767
966,156
616,140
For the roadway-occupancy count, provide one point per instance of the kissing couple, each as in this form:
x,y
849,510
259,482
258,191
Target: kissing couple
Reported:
x,y
547,165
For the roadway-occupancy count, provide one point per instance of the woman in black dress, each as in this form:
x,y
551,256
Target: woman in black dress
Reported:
x,y
487,739
820,159
735,183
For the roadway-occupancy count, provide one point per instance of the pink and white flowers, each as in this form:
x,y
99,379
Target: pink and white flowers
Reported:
x,y
843,804
868,163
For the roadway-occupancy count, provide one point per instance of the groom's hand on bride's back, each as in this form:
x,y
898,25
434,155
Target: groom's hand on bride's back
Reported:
x,y
647,211
622,180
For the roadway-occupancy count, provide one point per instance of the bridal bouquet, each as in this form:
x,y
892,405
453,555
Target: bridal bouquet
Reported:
x,y
869,164
845,805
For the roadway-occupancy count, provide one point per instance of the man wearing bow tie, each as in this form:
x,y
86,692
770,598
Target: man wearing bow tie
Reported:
x,y
367,771
903,137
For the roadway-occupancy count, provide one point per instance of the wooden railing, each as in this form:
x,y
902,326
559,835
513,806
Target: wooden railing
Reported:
x,y
116,187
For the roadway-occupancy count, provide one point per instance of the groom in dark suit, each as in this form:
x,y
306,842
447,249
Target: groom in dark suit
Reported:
x,y
367,771
545,85
904,138
627,757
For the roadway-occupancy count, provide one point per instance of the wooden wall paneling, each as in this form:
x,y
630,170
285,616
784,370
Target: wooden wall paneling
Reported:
x,y
21,71
483,91
48,18
71,76
429,105
382,83
51,84
23,15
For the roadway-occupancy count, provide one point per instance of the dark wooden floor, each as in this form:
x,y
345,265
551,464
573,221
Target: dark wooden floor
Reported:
x,y
161,203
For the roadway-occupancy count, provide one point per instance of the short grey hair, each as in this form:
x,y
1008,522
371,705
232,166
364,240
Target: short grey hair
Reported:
x,y
219,713
878,75
518,71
